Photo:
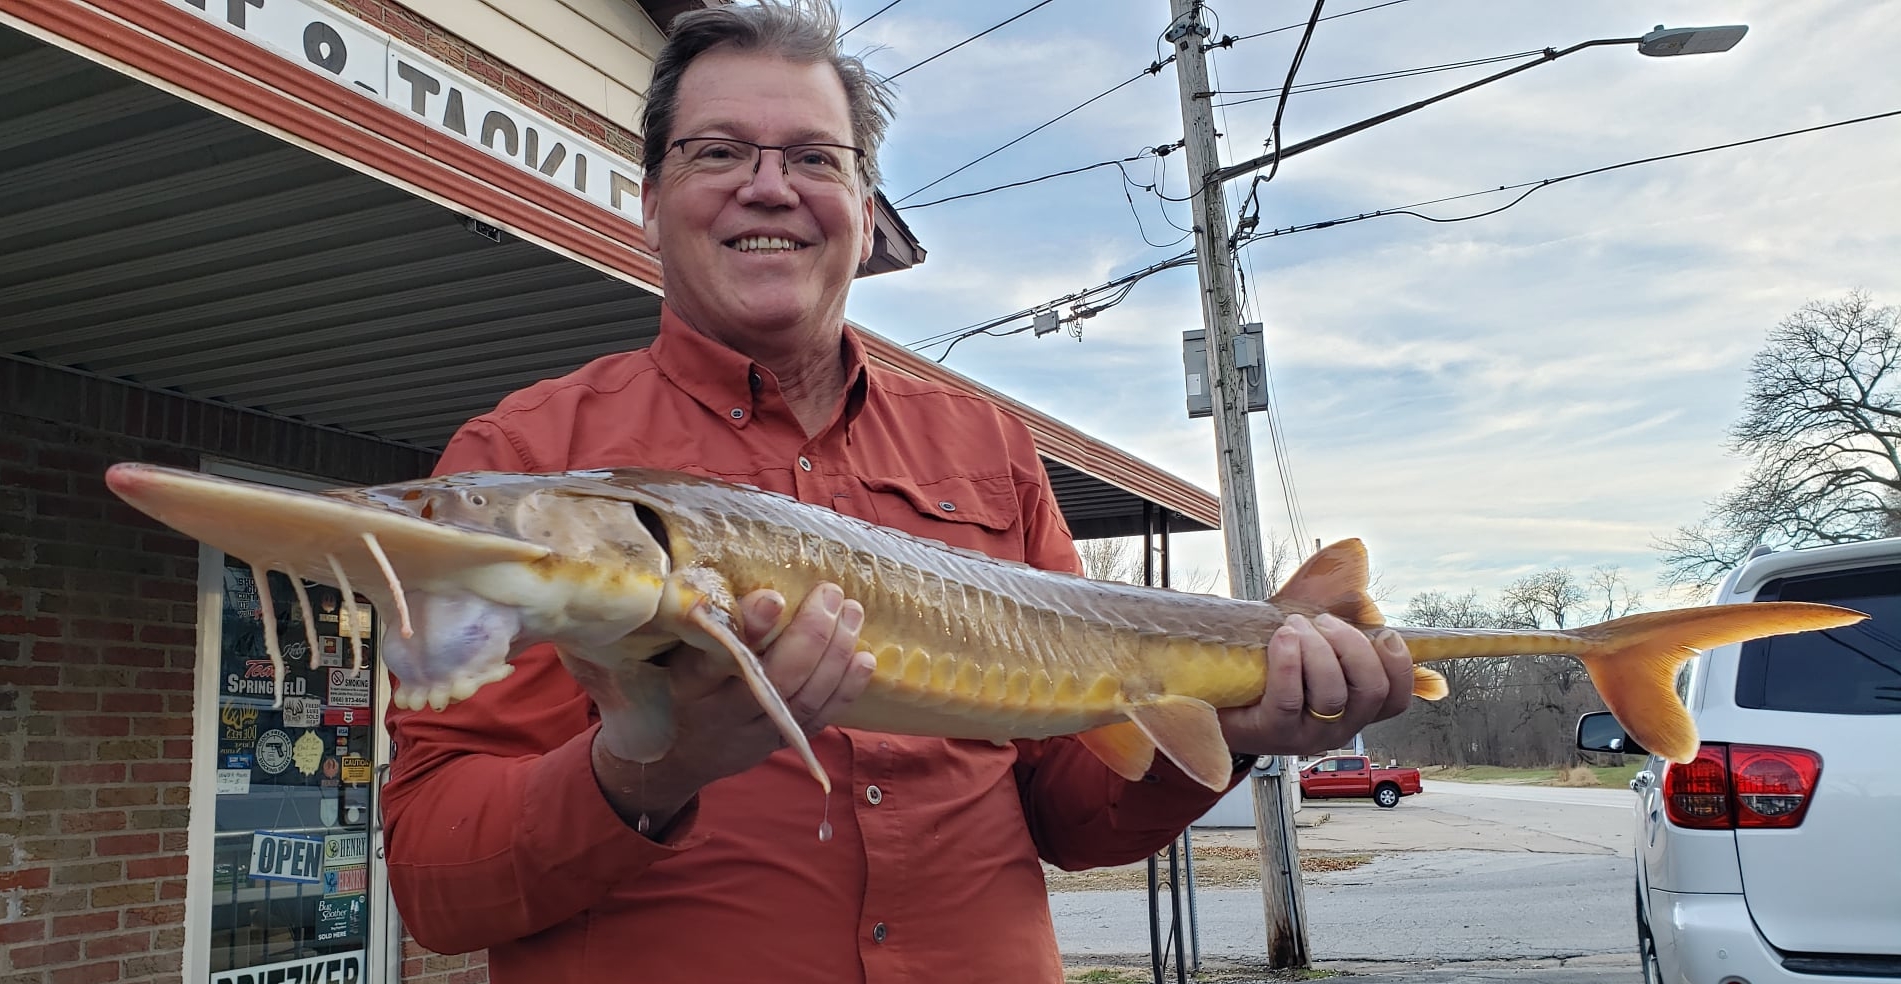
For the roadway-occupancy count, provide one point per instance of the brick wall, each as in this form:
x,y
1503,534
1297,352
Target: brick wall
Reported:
x,y
98,628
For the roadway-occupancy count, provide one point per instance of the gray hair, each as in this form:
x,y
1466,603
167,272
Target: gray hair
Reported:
x,y
804,31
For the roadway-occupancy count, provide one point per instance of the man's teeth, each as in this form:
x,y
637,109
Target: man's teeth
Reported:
x,y
750,244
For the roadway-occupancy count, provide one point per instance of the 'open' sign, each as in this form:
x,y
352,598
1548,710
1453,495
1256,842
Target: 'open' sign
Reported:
x,y
286,857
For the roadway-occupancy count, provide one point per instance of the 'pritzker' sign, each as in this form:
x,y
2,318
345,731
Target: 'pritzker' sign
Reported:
x,y
332,43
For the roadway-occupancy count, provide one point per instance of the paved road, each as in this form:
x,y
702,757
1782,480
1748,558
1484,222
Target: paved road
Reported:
x,y
1462,872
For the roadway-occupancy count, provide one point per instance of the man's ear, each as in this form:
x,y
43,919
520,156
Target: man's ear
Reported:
x,y
871,223
650,214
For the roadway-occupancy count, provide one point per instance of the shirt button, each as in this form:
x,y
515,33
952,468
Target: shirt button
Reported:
x,y
738,413
878,933
947,506
805,463
753,381
874,795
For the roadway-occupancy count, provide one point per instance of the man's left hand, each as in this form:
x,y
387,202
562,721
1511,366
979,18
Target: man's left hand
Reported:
x,y
1326,680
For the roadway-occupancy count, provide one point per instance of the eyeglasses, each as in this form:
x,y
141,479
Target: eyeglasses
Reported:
x,y
815,162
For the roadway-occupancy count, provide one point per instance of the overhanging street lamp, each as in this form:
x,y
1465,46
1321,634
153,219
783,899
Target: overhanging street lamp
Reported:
x,y
1664,42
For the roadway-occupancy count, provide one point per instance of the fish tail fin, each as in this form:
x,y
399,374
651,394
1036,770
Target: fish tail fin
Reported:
x,y
1429,684
1633,661
1334,580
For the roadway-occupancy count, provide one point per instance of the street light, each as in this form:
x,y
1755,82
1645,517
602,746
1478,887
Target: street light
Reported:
x,y
1664,42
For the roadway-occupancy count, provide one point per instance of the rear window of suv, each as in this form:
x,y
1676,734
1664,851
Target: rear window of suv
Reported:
x,y
1852,670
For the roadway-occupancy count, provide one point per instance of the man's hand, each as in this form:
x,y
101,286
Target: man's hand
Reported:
x,y
1325,681
720,729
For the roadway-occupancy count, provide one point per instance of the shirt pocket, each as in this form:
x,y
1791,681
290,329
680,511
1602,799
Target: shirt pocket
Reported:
x,y
974,513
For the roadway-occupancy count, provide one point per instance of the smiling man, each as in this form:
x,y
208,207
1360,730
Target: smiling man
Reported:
x,y
516,819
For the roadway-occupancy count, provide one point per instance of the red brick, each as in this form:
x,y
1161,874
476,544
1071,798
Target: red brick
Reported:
x,y
25,878
64,700
29,676
112,946
161,772
21,625
85,923
86,823
149,656
173,889
111,796
164,589
98,628
58,751
23,931
96,726
163,680
106,847
65,653
157,867
63,951
132,703
169,635
155,915
92,973
92,773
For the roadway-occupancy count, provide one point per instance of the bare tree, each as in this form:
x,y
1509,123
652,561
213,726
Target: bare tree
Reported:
x,y
1120,559
1821,426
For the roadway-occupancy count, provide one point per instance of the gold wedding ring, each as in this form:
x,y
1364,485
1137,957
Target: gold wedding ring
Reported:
x,y
1335,716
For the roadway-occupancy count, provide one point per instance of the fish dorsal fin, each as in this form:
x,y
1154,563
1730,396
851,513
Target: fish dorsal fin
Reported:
x,y
1122,747
1334,580
1188,732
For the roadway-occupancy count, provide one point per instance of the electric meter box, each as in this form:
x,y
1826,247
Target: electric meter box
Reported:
x,y
1249,355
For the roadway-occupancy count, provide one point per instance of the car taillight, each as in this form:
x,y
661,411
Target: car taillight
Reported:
x,y
1741,787
1773,785
1696,793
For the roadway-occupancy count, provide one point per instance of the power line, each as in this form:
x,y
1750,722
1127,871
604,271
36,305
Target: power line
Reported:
x,y
1147,152
1151,70
868,20
1369,79
1226,41
1081,306
1293,68
1032,9
1533,186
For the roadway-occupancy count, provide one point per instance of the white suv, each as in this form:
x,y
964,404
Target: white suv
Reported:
x,y
1776,854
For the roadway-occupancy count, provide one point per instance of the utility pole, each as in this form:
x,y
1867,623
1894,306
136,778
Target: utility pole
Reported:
x,y
1281,892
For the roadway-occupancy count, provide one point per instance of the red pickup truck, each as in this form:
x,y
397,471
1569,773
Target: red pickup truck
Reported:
x,y
1353,777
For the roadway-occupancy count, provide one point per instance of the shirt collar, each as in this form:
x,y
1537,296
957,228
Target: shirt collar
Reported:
x,y
721,379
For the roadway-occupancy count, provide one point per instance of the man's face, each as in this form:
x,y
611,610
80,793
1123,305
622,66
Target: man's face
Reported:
x,y
723,237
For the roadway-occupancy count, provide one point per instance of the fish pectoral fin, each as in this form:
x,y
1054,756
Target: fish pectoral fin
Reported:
x,y
1334,581
1189,733
718,627
1124,748
1429,684
636,704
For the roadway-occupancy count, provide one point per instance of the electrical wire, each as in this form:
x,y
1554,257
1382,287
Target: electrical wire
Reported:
x,y
868,20
1128,183
1030,181
1151,70
1030,10
1293,68
1533,186
1082,306
1369,79
1225,42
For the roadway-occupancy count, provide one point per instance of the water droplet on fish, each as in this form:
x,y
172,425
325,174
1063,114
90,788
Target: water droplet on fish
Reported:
x,y
824,831
643,823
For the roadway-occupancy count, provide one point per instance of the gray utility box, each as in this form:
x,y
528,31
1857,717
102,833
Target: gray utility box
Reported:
x,y
1250,354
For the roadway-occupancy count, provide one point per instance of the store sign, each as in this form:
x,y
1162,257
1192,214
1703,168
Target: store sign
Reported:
x,y
286,857
343,881
335,968
331,43
341,917
350,688
346,849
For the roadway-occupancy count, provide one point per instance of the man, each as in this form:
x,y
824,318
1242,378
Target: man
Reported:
x,y
514,824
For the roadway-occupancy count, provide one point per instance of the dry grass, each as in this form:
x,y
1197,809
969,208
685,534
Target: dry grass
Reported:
x,y
1216,866
1577,776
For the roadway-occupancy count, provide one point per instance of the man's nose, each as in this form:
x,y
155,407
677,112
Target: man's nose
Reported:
x,y
770,184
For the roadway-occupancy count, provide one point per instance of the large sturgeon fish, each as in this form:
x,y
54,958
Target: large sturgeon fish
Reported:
x,y
616,567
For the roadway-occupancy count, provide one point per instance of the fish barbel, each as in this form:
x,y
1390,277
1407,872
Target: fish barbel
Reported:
x,y
616,567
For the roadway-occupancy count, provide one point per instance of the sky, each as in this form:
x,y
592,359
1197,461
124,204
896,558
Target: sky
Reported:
x,y
1548,386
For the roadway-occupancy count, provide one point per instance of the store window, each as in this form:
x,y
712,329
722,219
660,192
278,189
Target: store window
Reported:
x,y
290,894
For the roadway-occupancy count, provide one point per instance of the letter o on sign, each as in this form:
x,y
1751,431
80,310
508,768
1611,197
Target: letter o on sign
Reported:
x,y
324,47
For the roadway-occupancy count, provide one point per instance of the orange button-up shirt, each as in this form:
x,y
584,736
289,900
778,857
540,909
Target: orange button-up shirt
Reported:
x,y
499,836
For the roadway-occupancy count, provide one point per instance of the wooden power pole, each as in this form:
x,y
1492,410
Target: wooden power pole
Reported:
x,y
1281,892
